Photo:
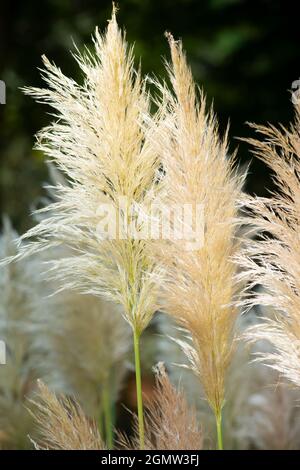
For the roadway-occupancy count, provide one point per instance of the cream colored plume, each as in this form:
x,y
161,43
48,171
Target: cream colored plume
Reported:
x,y
200,283
102,143
170,424
62,425
273,260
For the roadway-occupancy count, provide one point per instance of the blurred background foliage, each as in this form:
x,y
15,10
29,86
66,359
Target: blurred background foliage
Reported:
x,y
244,53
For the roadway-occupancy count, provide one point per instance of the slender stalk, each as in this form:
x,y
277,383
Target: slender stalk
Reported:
x,y
107,417
219,430
138,378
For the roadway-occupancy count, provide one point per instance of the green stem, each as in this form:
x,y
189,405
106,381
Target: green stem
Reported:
x,y
107,417
138,378
219,430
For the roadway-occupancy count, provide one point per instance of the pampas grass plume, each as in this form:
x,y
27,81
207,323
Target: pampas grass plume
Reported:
x,y
273,260
200,284
170,424
62,424
102,143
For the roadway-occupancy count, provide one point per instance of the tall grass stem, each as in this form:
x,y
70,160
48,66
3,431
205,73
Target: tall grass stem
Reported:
x,y
106,404
219,430
138,377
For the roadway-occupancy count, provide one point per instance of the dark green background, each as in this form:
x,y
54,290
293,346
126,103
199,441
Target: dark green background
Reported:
x,y
245,54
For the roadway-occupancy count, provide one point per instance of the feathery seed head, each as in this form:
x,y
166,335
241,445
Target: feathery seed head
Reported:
x,y
62,424
104,146
170,424
274,259
199,285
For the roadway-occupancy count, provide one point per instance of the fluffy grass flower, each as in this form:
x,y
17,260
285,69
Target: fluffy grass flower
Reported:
x,y
103,145
62,424
200,283
273,260
170,424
